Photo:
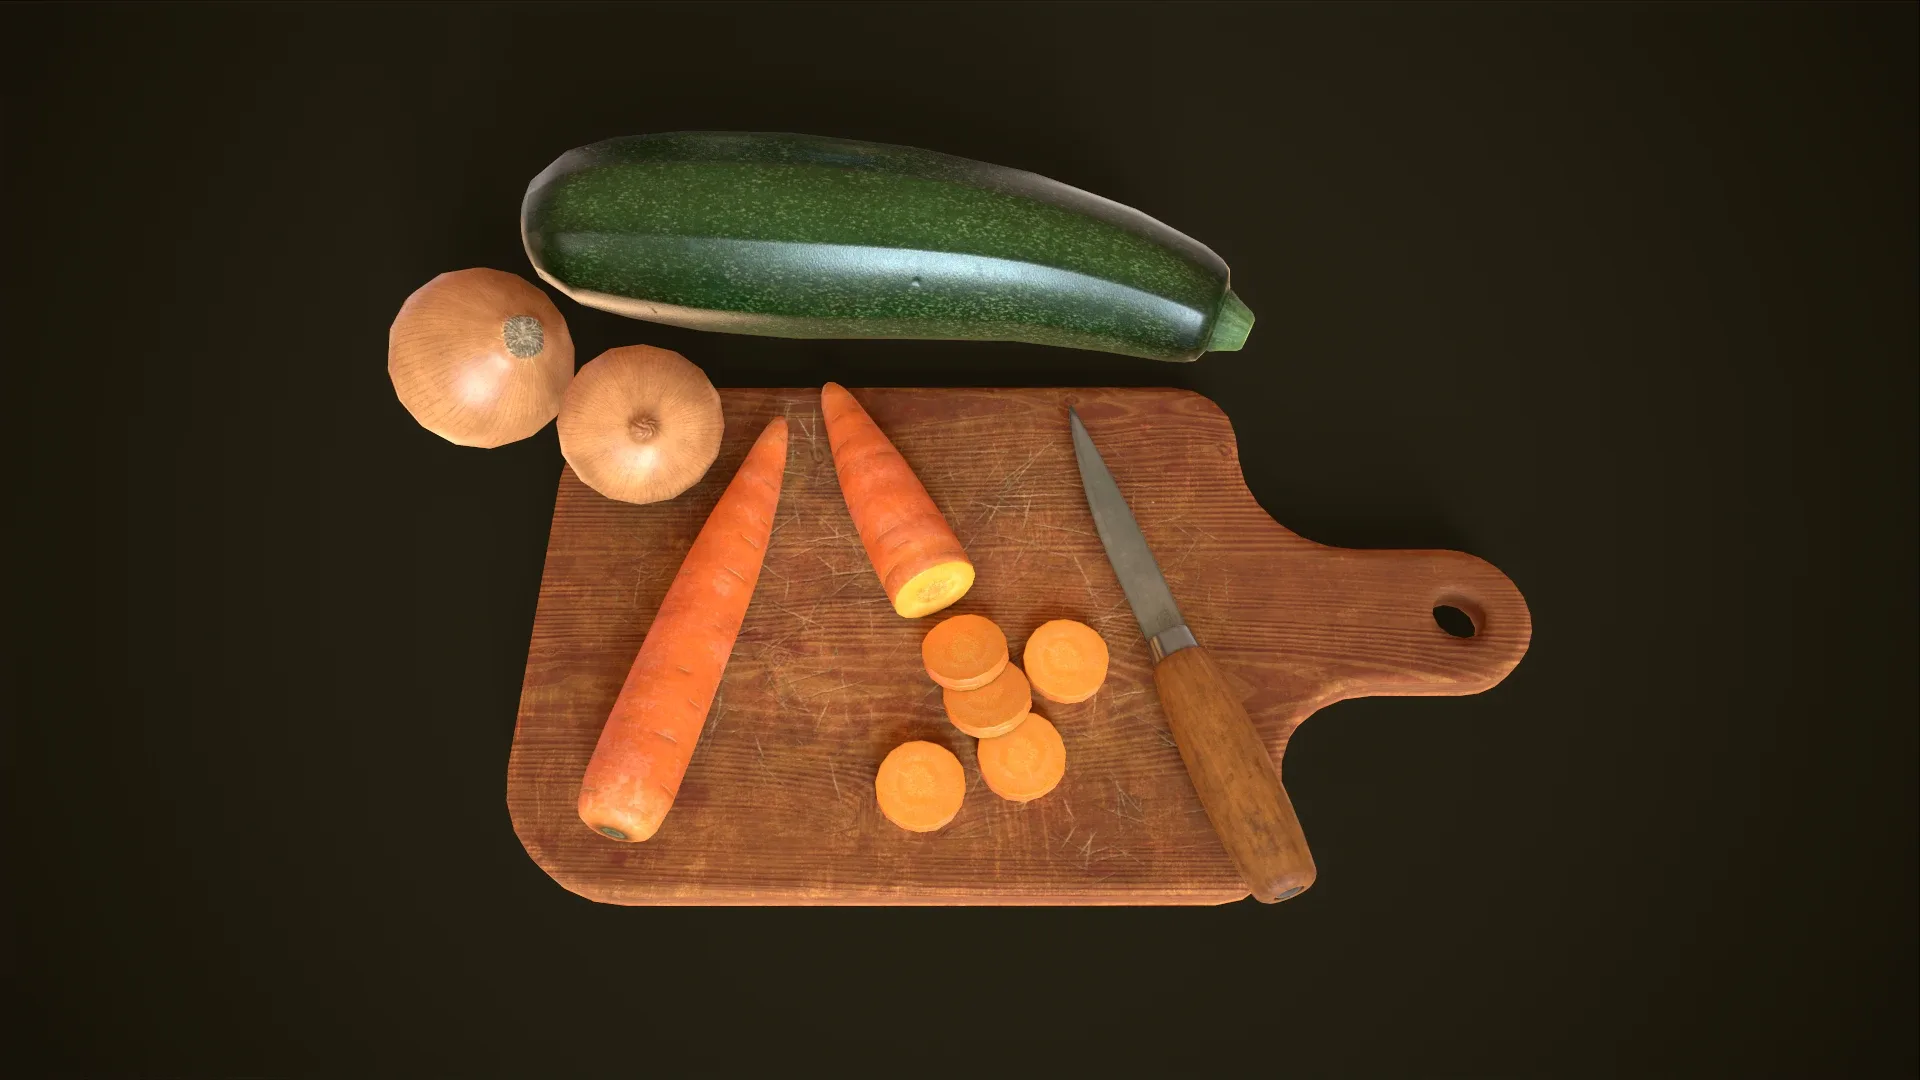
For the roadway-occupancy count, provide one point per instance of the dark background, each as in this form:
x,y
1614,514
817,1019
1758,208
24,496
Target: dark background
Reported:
x,y
1619,297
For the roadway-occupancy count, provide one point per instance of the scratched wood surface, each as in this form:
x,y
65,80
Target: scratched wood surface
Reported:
x,y
778,805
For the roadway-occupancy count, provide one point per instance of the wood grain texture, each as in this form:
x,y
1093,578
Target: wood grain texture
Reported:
x,y
778,805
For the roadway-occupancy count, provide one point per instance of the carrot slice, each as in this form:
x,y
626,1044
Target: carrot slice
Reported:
x,y
643,751
992,710
965,652
1066,661
920,786
1025,763
920,562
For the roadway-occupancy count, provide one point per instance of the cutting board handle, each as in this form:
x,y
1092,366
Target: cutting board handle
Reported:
x,y
1378,614
1393,633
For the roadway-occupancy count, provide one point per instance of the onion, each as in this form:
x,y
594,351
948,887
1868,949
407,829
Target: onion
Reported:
x,y
640,424
480,357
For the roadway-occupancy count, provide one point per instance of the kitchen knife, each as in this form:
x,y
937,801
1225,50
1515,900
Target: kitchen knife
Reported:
x,y
1229,764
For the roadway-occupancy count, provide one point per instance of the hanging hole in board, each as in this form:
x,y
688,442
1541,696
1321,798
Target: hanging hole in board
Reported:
x,y
1454,621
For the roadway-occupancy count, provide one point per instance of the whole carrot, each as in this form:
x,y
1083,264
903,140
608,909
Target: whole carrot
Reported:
x,y
643,751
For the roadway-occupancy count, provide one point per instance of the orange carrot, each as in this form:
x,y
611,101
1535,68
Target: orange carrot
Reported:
x,y
920,786
643,751
912,548
1066,661
1025,763
965,652
992,710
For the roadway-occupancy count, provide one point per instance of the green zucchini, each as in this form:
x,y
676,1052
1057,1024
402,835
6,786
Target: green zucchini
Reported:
x,y
806,237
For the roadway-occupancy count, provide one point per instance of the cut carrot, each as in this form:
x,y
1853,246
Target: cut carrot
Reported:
x,y
965,652
1066,661
643,751
1025,763
920,562
920,786
992,710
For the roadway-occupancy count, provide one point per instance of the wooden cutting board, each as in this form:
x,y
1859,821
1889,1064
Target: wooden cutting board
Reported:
x,y
778,805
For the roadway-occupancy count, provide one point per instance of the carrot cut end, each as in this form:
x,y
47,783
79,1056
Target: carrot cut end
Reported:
x,y
933,589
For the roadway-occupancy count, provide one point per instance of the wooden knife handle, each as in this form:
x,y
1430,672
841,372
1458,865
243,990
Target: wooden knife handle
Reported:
x,y
1231,769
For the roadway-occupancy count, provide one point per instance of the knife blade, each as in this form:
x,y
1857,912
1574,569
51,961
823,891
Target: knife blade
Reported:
x,y
1133,563
1225,757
